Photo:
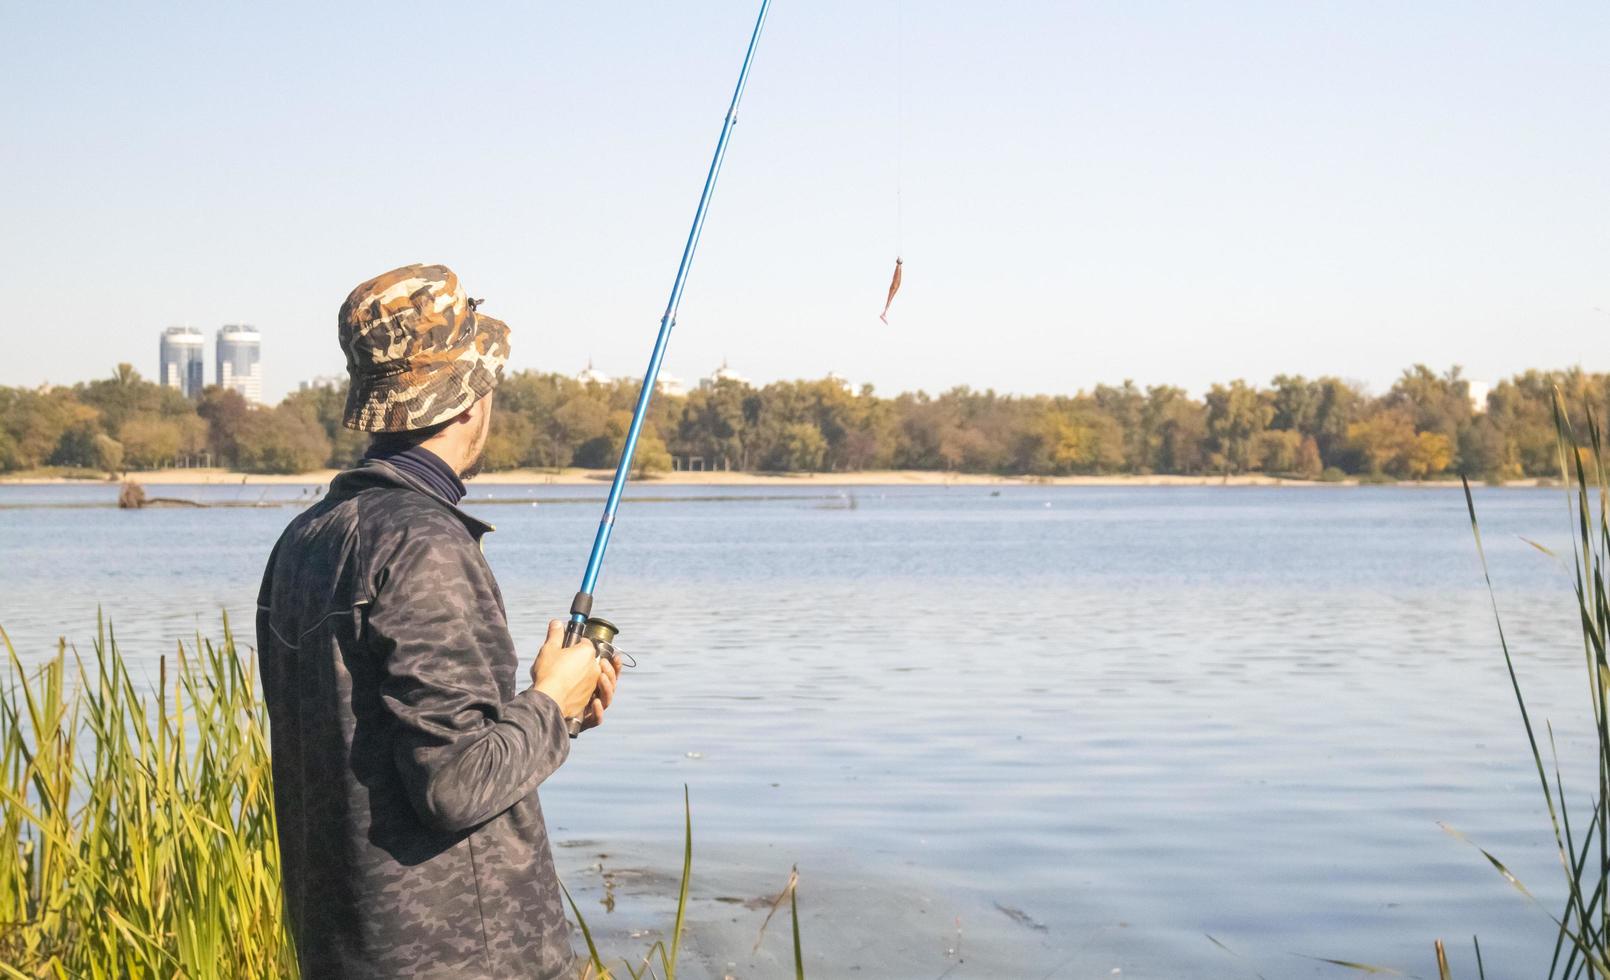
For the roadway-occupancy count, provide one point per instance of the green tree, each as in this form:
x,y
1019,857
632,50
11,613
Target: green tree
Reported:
x,y
1484,453
1309,463
870,442
108,454
224,411
1176,431
328,406
1322,408
125,395
151,441
651,455
798,447
34,423
579,431
76,446
923,423
511,443
1296,403
1236,415
1439,404
1278,450
9,458
544,419
1127,405
1522,409
715,424
535,398
281,440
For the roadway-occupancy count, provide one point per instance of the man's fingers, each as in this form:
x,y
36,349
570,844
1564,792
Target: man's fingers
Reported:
x,y
595,714
606,688
556,632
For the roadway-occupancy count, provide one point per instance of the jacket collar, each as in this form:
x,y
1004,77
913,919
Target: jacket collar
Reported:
x,y
378,473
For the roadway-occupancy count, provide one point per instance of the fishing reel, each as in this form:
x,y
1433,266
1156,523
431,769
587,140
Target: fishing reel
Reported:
x,y
602,633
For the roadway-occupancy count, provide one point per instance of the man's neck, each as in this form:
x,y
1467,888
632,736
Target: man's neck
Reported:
x,y
447,451
423,466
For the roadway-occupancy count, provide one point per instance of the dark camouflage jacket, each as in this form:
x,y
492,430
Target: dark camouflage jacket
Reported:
x,y
406,760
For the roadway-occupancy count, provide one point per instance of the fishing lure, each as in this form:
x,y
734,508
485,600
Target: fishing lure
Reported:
x,y
894,287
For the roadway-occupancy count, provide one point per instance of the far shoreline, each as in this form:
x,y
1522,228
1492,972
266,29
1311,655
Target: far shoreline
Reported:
x,y
724,478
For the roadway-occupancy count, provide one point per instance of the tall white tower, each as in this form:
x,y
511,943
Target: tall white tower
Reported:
x,y
183,360
239,361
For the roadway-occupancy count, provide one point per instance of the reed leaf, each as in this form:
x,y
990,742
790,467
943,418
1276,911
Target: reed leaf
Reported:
x,y
1582,943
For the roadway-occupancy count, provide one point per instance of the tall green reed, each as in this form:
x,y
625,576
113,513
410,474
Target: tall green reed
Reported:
x,y
1582,944
137,833
145,832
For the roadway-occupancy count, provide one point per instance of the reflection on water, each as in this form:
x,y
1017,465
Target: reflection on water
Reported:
x,y
1054,732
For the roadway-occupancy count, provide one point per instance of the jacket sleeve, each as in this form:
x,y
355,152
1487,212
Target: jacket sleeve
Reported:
x,y
464,753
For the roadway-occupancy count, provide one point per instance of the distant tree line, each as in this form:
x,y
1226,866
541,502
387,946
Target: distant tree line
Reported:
x,y
1322,428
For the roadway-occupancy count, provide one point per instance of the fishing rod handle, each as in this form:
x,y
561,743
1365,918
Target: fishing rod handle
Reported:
x,y
601,634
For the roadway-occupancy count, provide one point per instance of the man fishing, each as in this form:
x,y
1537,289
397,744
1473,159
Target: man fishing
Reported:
x,y
407,752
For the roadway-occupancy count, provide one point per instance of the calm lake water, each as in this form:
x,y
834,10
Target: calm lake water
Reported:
x,y
1054,732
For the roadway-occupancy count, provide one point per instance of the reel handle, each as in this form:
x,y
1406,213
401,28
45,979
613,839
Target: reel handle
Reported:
x,y
601,632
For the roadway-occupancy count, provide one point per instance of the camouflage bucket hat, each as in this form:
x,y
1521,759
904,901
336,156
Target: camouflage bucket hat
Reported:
x,y
417,351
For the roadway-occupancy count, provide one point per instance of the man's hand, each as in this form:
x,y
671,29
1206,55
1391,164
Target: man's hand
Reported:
x,y
609,675
572,676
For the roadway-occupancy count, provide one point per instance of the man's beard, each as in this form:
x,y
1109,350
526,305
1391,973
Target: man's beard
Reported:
x,y
473,470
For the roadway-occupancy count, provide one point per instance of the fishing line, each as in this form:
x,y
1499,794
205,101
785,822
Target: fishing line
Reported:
x,y
900,128
899,156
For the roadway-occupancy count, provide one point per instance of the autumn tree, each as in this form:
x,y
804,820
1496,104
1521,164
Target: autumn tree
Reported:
x,y
1382,441
1430,454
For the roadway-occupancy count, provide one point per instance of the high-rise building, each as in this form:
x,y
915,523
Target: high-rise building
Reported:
x,y
183,360
239,365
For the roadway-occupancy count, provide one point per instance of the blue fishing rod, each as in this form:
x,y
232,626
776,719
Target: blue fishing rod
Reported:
x,y
583,624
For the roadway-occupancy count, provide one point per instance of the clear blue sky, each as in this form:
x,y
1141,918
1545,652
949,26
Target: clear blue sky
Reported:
x,y
1170,192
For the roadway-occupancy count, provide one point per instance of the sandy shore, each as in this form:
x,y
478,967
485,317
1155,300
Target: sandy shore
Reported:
x,y
710,478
